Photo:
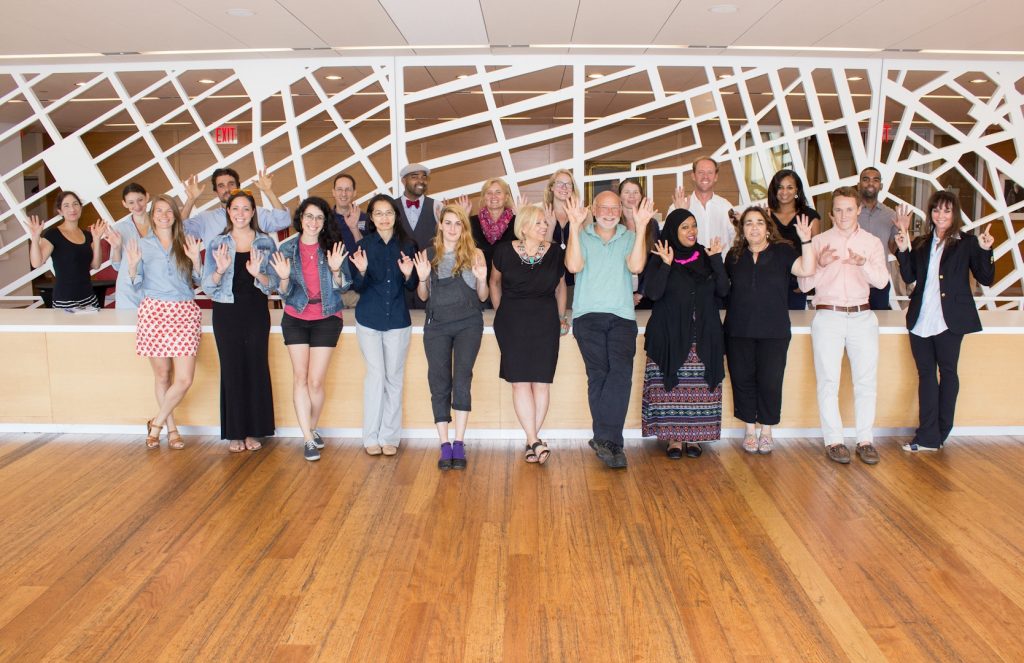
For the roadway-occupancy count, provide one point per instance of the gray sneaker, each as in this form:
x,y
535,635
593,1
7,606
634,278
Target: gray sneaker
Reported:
x,y
318,441
603,451
309,450
618,461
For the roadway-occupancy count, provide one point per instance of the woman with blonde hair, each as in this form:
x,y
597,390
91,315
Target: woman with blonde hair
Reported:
x,y
453,282
495,222
528,292
165,265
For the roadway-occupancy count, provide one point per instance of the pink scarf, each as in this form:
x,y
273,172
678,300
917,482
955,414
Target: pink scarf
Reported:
x,y
493,230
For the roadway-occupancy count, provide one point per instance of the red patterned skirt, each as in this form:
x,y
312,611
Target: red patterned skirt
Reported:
x,y
168,329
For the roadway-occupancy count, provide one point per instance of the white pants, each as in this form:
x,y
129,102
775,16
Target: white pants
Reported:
x,y
384,354
857,334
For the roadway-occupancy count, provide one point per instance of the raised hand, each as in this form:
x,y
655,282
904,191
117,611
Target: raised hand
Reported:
x,y
352,218
827,256
577,213
253,264
854,258
405,265
336,257
985,239
422,265
133,253
264,181
193,189
715,248
222,257
549,215
520,203
679,198
35,227
663,250
463,202
644,213
479,267
98,229
113,238
193,245
359,260
903,239
803,227
904,217
281,265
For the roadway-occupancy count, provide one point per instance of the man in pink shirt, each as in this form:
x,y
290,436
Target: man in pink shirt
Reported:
x,y
850,262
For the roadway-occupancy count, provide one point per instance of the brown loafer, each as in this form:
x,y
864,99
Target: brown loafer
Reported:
x,y
867,453
838,453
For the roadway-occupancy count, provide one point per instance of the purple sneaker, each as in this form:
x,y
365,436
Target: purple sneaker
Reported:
x,y
458,455
445,462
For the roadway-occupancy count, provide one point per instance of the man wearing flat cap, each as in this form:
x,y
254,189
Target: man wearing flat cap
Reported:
x,y
418,216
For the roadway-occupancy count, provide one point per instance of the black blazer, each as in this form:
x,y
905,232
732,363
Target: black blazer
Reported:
x,y
426,226
958,308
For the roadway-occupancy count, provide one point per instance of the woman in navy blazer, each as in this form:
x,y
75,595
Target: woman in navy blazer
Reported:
x,y
942,308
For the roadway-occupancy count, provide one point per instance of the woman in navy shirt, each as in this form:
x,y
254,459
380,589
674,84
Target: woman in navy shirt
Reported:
x,y
382,270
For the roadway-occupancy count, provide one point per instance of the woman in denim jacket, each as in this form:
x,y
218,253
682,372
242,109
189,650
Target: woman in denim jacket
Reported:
x,y
310,271
235,276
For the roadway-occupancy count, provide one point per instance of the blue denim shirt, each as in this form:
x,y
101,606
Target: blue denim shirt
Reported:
x,y
158,276
381,298
126,297
296,296
222,292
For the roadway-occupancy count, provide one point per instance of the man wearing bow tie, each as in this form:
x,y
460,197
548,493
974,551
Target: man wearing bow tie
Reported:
x,y
418,214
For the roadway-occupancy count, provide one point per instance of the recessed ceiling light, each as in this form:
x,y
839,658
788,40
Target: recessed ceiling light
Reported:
x,y
979,80
461,76
722,9
206,81
81,84
595,75
334,77
240,13
725,75
854,78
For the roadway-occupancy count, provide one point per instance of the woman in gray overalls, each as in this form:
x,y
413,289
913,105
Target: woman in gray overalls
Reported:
x,y
453,281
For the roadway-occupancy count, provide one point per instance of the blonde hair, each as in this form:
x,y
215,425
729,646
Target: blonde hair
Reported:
x,y
504,187
527,218
549,195
465,248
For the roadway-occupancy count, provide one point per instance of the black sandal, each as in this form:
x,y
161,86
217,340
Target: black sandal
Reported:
x,y
674,452
693,450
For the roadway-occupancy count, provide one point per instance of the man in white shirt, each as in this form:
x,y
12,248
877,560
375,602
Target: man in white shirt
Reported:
x,y
709,209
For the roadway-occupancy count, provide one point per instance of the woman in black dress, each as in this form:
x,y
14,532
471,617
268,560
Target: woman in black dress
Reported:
x,y
75,253
235,276
757,326
528,292
786,202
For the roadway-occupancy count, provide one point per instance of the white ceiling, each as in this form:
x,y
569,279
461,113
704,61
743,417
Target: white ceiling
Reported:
x,y
897,27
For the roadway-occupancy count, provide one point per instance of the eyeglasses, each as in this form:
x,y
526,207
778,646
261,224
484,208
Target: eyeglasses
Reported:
x,y
558,184
235,192
383,214
309,217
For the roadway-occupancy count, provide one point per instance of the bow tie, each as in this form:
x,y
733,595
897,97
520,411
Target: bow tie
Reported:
x,y
412,203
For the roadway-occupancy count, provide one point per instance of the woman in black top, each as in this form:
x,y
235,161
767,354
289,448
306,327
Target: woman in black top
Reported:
x,y
786,201
496,220
75,253
942,308
760,265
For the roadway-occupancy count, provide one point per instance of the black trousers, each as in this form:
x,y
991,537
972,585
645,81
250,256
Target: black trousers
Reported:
x,y
756,369
878,299
937,384
608,344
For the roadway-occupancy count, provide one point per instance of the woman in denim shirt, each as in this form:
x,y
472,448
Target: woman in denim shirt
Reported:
x,y
164,265
309,270
235,277
383,270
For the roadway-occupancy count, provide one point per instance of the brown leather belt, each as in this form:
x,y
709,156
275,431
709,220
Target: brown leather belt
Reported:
x,y
843,309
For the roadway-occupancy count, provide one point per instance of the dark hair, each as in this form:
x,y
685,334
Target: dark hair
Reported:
x,y
330,234
773,189
630,180
400,233
866,169
254,222
220,172
132,187
771,232
943,198
60,200
347,177
181,259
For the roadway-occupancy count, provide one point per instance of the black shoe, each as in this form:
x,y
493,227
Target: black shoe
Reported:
x,y
458,455
693,450
318,441
618,461
673,452
309,451
603,451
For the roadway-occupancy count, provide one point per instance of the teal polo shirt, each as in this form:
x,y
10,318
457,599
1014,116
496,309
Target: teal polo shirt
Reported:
x,y
605,285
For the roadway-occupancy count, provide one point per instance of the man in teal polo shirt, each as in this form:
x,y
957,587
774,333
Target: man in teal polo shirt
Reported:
x,y
604,255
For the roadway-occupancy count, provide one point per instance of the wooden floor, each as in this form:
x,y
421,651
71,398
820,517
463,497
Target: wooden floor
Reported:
x,y
110,552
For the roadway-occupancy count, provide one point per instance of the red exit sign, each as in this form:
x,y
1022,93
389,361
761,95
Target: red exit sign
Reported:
x,y
226,135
